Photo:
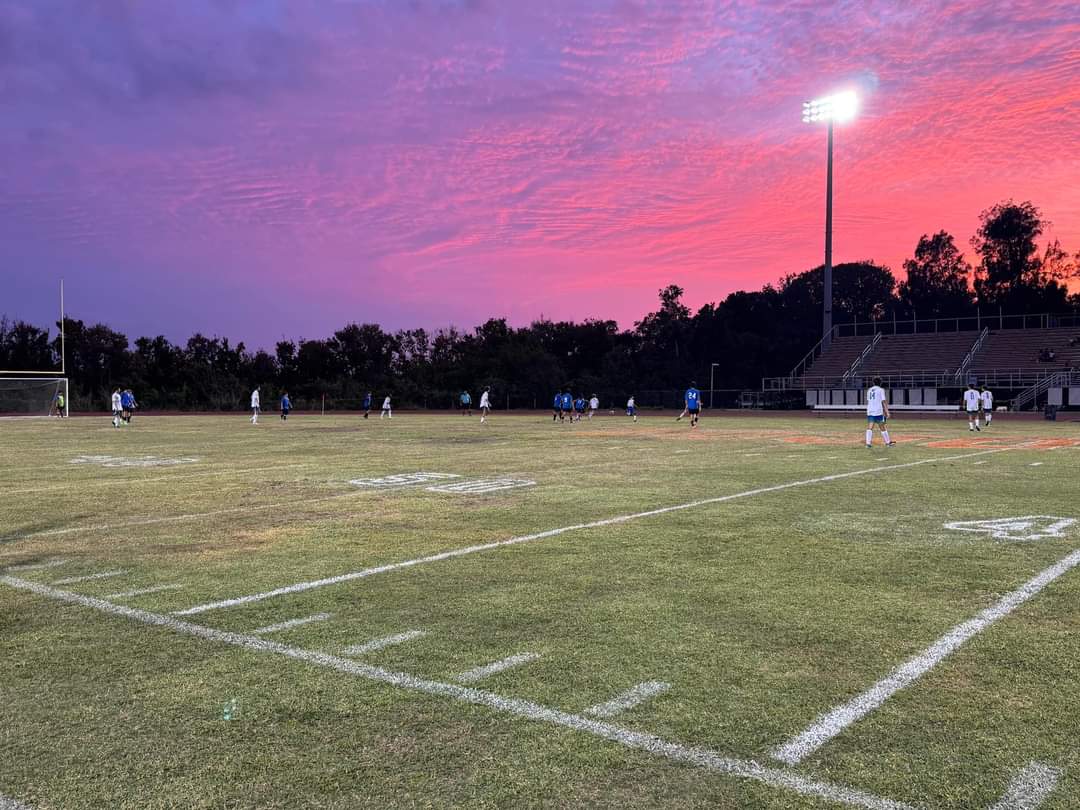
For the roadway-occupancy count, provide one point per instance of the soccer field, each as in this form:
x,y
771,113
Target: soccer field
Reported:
x,y
431,612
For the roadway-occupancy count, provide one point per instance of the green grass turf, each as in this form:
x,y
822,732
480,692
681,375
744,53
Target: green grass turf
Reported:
x,y
761,612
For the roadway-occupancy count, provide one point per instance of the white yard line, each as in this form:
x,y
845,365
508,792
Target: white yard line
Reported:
x,y
290,624
495,667
1029,788
88,577
629,699
381,643
141,591
101,527
38,566
777,777
528,538
246,472
11,804
836,720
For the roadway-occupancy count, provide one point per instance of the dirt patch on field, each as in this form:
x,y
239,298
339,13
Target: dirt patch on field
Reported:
x,y
239,542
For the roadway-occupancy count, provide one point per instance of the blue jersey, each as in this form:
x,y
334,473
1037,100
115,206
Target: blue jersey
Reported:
x,y
558,401
579,404
693,399
367,402
466,399
567,402
126,400
286,404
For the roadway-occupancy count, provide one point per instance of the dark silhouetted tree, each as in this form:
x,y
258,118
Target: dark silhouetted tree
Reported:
x,y
938,280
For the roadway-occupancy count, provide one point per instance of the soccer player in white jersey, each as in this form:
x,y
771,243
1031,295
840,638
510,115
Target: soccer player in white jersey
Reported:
x,y
877,413
987,397
631,408
972,404
485,405
255,407
117,408
386,408
594,405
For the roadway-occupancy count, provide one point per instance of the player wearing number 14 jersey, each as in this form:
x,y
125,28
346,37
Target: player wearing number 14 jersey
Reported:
x,y
877,413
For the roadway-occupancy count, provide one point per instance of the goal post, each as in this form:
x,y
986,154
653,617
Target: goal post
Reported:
x,y
33,396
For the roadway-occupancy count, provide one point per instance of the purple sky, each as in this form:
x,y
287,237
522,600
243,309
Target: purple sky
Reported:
x,y
260,169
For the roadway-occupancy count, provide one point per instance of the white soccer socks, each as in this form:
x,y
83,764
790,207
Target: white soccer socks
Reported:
x,y
869,437
885,436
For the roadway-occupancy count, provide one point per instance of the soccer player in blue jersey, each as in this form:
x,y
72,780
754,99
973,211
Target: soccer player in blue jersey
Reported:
x,y
556,406
286,406
567,404
579,408
692,402
367,404
466,403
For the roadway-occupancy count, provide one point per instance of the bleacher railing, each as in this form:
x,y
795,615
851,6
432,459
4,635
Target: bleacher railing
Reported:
x,y
1010,378
972,323
970,357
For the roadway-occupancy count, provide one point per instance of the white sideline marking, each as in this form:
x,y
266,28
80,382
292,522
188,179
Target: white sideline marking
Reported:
x,y
528,538
178,518
701,757
629,699
1035,464
141,591
978,462
1029,788
37,566
381,643
495,667
1025,528
833,722
122,461
88,577
11,804
290,624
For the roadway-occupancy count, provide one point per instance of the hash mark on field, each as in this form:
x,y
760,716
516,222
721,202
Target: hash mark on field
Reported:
x,y
750,770
978,462
1029,788
495,667
289,625
88,577
38,566
1035,464
141,591
381,643
629,699
528,538
836,720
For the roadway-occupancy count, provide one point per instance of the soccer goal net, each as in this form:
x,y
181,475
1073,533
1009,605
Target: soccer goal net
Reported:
x,y
33,396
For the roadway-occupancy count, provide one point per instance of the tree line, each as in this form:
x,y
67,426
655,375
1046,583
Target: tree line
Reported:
x,y
750,335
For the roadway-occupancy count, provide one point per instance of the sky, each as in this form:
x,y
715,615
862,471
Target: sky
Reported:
x,y
260,169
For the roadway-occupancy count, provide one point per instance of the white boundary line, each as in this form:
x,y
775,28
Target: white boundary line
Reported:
x,y
141,591
101,527
776,777
87,577
1029,788
629,699
528,538
37,566
290,624
836,720
381,643
495,667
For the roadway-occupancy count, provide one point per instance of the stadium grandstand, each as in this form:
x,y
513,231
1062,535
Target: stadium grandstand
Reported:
x,y
1030,361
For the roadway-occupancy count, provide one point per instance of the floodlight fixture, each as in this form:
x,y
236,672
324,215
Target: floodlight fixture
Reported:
x,y
839,107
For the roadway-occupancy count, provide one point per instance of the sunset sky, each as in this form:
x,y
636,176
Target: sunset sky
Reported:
x,y
274,168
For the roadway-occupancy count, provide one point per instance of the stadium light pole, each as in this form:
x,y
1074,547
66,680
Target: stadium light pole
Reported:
x,y
712,369
839,107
